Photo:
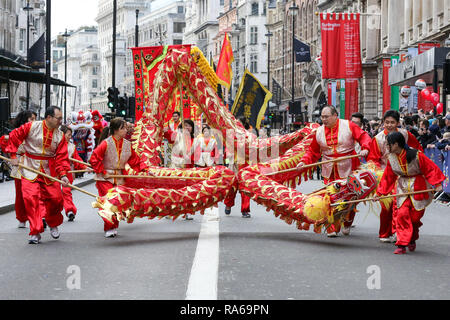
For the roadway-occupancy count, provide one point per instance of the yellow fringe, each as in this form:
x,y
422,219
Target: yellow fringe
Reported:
x,y
204,67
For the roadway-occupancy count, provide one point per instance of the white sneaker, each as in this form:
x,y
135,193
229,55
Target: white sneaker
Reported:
x,y
115,232
394,238
110,234
345,231
34,239
22,225
332,235
386,240
54,232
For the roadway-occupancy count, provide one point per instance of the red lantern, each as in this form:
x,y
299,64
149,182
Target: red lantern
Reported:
x,y
439,107
420,84
434,98
425,94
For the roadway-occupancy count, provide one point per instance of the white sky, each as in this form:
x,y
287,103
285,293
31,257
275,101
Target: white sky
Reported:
x,y
72,14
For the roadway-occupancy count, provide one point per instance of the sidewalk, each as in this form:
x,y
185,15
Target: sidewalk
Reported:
x,y
8,192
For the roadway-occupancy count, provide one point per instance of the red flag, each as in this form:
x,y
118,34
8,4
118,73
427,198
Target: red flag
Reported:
x,y
223,71
351,97
341,53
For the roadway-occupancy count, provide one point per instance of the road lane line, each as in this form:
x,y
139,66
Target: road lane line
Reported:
x,y
205,268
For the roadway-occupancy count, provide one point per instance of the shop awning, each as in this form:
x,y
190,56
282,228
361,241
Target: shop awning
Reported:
x,y
10,63
422,66
29,76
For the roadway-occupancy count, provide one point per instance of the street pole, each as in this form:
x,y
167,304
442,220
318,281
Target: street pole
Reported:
x,y
116,98
65,36
294,9
28,9
48,55
268,35
136,31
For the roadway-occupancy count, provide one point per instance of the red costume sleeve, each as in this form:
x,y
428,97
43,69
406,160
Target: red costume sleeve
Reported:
x,y
16,137
62,164
170,136
387,181
430,170
76,165
97,156
3,142
374,152
313,153
361,136
413,142
135,161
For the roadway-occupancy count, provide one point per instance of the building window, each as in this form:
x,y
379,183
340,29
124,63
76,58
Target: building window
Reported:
x,y
178,27
180,9
254,63
94,71
177,41
255,9
22,39
253,35
94,84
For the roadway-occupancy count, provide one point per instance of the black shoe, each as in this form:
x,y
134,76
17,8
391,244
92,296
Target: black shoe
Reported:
x,y
44,223
71,216
227,211
246,215
188,217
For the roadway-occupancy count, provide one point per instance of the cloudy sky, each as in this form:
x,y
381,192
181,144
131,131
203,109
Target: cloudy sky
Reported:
x,y
72,14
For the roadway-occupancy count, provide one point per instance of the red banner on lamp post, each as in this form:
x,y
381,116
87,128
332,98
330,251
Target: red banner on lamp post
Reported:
x,y
351,97
386,87
341,50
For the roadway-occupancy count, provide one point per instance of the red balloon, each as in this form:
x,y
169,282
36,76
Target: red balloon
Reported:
x,y
439,107
425,94
434,98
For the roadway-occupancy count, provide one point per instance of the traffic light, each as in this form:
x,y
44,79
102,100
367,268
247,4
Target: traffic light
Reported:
x,y
271,115
122,108
112,94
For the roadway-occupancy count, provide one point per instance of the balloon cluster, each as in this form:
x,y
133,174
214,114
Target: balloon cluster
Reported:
x,y
429,95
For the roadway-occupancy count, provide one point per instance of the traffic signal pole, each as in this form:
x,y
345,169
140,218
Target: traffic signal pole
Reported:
x,y
116,98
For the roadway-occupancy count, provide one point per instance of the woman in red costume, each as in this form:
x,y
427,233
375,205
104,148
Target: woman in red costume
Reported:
x,y
412,171
110,158
378,154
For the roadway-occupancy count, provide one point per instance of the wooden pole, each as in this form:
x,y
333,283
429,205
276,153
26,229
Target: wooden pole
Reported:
x,y
315,164
79,171
383,197
51,178
80,162
154,177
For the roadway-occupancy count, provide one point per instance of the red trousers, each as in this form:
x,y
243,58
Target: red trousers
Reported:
x,y
407,223
69,206
21,213
35,192
245,202
386,227
103,187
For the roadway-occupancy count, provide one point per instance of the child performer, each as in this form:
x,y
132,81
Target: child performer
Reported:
x,y
412,171
69,206
110,158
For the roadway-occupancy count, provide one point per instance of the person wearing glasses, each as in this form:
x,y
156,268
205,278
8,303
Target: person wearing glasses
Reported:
x,y
334,139
45,150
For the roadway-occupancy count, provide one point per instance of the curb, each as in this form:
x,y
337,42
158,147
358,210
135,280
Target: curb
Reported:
x,y
10,207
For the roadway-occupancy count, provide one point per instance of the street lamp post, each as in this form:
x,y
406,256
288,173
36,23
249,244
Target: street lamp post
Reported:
x,y
28,9
268,35
136,30
293,11
65,36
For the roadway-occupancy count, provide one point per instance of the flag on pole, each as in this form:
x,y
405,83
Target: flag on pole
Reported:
x,y
36,54
224,72
302,51
251,100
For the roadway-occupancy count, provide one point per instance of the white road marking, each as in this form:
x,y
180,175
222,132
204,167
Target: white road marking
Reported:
x,y
205,268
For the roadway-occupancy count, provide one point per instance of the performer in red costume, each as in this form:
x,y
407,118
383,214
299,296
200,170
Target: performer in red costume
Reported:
x,y
412,171
97,118
21,215
334,139
69,206
110,158
379,155
45,149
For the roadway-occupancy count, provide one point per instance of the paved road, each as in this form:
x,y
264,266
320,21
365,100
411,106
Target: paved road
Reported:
x,y
222,257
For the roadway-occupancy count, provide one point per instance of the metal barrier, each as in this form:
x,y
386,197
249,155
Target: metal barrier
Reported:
x,y
442,159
